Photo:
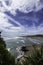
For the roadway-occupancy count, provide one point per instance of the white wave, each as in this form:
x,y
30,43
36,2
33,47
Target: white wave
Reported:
x,y
20,52
8,49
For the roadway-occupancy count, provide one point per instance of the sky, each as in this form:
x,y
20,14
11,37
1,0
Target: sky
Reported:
x,y
21,17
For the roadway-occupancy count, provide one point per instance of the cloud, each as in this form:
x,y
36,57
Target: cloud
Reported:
x,y
22,31
7,21
25,6
9,30
33,30
3,21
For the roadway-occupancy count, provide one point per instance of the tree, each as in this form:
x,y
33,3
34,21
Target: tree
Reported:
x,y
5,57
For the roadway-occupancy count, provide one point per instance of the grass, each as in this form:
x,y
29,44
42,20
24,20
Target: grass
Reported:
x,y
35,58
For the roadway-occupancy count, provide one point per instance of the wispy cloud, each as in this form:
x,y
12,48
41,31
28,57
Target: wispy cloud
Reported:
x,y
25,6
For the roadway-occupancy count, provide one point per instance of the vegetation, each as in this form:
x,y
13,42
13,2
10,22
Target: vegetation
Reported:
x,y
5,57
34,58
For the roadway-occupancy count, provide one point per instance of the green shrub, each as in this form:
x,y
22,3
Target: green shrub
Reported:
x,y
5,57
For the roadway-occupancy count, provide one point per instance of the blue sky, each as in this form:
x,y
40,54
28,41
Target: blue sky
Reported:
x,y
21,17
